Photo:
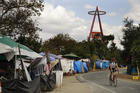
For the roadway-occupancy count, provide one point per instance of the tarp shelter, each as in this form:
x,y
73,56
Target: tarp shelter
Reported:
x,y
102,64
99,64
25,51
6,52
78,66
67,65
47,82
85,67
38,66
105,64
18,86
52,57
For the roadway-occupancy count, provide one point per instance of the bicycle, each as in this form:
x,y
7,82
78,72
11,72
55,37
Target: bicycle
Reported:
x,y
113,82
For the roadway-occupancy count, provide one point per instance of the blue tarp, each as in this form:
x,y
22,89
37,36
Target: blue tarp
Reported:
x,y
54,56
133,70
51,56
78,66
85,67
107,63
102,64
42,53
99,64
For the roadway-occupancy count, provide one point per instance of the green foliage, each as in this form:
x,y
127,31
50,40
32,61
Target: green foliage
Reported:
x,y
94,57
16,21
16,18
94,49
131,42
60,44
135,50
108,38
82,49
33,43
115,52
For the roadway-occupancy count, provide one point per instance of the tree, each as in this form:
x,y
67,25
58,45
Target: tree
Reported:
x,y
131,43
33,43
115,52
128,38
59,44
16,17
135,47
81,49
99,46
16,20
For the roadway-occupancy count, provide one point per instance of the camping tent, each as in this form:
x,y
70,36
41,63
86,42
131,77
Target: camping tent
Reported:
x,y
25,51
54,59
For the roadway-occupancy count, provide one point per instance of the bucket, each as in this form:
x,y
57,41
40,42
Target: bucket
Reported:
x,y
59,79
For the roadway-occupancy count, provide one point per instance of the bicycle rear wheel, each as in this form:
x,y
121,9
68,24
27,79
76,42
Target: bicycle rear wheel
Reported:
x,y
115,82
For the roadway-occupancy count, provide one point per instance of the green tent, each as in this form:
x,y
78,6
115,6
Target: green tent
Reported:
x,y
7,41
25,51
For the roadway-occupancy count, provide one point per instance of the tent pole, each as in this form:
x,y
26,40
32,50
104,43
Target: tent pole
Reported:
x,y
15,73
21,60
20,56
48,61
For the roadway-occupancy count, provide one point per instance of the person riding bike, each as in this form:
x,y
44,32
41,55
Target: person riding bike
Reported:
x,y
113,68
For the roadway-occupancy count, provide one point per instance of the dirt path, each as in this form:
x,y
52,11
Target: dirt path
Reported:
x,y
72,85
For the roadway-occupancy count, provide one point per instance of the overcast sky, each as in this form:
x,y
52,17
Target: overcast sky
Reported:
x,y
71,16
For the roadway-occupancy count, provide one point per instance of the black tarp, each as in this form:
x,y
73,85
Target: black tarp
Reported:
x,y
47,83
57,66
18,86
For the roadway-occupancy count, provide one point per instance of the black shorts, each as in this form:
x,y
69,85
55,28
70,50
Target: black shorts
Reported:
x,y
114,70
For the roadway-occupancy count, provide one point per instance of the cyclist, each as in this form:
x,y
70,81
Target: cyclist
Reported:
x,y
113,68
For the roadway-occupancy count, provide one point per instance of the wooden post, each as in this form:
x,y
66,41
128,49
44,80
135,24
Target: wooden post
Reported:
x,y
20,57
138,70
94,66
21,62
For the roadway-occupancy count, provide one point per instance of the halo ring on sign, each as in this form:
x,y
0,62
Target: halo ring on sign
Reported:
x,y
93,12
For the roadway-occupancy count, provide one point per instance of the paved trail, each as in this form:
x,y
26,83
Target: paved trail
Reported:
x,y
100,83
